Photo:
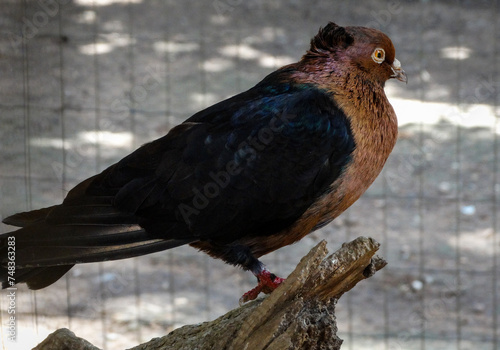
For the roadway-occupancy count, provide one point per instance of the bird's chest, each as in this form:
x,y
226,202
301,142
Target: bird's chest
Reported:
x,y
375,136
375,139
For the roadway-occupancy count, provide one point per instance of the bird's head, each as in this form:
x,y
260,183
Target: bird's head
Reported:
x,y
368,50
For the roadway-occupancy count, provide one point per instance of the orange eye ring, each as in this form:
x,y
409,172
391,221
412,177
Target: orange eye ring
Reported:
x,y
378,55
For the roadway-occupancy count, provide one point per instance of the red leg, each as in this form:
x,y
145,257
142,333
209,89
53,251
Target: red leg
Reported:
x,y
267,283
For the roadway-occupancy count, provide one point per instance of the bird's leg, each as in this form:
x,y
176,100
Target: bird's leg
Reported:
x,y
241,255
267,282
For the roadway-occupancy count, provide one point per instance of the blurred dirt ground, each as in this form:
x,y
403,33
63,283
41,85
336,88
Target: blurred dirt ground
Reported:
x,y
84,82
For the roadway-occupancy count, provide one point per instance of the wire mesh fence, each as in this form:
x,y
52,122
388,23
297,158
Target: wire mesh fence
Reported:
x,y
85,82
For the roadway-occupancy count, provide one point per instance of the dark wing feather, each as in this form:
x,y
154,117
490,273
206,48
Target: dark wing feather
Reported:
x,y
28,218
250,165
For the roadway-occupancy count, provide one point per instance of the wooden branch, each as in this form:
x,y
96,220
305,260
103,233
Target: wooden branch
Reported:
x,y
299,314
64,339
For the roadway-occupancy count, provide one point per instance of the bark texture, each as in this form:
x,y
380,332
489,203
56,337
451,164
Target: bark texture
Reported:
x,y
299,314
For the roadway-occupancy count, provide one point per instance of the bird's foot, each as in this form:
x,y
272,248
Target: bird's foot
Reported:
x,y
267,283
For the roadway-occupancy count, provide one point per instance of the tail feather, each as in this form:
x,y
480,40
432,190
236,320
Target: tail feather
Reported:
x,y
35,278
88,215
69,255
45,235
45,276
28,218
52,240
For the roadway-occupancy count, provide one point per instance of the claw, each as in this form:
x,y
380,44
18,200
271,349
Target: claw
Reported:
x,y
267,283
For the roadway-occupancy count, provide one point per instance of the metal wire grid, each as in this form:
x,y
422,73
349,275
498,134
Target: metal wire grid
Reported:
x,y
87,82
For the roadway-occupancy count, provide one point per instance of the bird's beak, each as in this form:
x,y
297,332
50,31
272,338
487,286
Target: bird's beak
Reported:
x,y
399,73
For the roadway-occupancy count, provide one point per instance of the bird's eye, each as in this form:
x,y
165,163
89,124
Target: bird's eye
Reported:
x,y
378,55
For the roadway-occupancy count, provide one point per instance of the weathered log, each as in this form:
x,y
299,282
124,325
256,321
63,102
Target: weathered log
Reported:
x,y
299,314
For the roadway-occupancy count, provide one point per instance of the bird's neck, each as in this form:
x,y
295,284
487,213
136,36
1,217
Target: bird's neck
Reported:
x,y
362,100
374,127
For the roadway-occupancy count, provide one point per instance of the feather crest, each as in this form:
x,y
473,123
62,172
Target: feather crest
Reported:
x,y
328,39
